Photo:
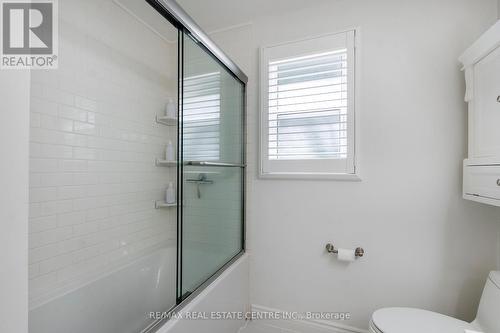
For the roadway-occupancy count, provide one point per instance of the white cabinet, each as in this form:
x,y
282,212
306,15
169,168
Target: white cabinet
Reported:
x,y
482,73
487,106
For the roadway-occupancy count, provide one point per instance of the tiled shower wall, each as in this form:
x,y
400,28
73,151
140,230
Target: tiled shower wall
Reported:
x,y
93,181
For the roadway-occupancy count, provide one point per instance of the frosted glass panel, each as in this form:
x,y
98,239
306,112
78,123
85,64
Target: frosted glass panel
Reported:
x,y
212,108
212,226
211,132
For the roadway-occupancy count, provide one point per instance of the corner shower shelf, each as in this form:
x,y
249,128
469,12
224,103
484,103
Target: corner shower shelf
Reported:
x,y
163,204
165,163
169,121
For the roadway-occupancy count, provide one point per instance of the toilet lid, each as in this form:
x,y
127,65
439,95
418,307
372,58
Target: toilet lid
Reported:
x,y
409,320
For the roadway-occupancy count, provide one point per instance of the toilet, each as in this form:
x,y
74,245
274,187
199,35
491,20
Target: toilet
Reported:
x,y
411,320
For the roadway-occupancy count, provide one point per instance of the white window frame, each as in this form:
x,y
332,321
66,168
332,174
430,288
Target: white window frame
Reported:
x,y
337,169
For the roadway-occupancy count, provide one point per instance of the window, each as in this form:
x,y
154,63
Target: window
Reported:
x,y
307,107
201,116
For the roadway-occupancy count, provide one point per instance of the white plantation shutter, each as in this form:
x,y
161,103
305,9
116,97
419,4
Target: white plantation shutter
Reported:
x,y
201,117
307,106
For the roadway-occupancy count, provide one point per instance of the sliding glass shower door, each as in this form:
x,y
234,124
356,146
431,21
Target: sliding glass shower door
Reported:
x,y
211,172
111,247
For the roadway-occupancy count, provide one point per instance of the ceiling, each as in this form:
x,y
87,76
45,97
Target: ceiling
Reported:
x,y
149,17
211,15
217,14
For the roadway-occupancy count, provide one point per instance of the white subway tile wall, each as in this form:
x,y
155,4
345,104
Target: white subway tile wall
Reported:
x,y
93,180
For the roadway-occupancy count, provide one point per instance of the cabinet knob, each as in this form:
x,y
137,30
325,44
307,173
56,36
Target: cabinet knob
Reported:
x,y
498,98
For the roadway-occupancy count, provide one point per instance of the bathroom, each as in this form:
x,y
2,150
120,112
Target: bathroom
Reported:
x,y
250,166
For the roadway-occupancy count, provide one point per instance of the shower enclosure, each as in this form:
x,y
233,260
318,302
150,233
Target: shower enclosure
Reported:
x,y
211,172
142,102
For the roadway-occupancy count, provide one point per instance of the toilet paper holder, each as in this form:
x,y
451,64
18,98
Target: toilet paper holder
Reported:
x,y
358,252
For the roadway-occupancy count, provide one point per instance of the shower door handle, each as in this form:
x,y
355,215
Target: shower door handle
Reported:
x,y
201,180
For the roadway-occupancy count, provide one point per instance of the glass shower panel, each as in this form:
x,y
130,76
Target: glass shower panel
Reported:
x,y
212,169
102,239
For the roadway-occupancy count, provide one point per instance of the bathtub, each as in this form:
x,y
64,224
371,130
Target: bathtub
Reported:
x,y
119,302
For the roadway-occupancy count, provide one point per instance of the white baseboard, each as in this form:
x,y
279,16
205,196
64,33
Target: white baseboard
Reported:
x,y
301,325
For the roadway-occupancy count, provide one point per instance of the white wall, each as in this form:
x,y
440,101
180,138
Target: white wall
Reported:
x,y
93,145
425,246
14,134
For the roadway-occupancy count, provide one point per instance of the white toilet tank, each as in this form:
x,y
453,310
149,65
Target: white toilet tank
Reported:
x,y
488,314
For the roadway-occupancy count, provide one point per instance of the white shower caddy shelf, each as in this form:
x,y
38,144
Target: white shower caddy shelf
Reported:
x,y
169,121
165,163
163,204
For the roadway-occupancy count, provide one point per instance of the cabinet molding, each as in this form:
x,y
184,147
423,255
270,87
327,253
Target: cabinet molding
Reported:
x,y
488,41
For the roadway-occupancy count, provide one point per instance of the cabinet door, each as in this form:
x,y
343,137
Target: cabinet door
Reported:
x,y
487,106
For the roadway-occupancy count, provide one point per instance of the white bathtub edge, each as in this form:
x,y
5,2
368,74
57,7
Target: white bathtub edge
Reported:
x,y
229,293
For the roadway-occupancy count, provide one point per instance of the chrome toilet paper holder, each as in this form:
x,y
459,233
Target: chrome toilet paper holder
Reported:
x,y
358,252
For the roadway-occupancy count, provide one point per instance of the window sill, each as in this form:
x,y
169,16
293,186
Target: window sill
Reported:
x,y
349,177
